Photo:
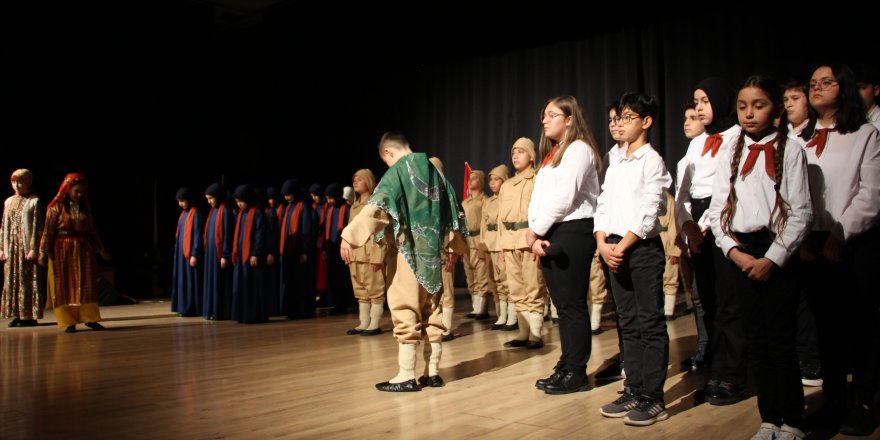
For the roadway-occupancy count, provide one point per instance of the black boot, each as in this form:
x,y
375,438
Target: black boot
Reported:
x,y
558,372
570,382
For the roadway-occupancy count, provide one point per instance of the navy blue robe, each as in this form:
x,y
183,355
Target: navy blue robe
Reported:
x,y
186,285
248,298
298,279
218,281
271,273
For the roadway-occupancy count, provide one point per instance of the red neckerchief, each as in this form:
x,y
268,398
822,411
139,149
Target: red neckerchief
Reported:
x,y
187,231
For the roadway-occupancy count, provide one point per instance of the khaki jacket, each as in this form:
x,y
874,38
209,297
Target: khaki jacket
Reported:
x,y
370,252
473,212
489,225
513,212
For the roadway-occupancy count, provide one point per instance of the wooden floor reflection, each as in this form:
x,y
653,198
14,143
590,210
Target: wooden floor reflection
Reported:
x,y
153,375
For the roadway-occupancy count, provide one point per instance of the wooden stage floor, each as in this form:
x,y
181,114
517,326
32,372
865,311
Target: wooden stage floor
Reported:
x,y
153,375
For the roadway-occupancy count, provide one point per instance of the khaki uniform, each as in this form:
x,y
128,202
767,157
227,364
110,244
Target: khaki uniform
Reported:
x,y
523,285
369,286
489,233
414,312
668,233
475,268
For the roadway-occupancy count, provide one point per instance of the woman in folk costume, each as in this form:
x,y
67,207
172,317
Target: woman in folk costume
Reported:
x,y
69,244
186,284
219,237
248,254
415,211
299,229
368,265
24,288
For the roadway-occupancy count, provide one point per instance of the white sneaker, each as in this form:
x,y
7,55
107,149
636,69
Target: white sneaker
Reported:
x,y
768,431
790,433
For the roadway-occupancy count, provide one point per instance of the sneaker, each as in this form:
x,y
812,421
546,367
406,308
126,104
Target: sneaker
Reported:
x,y
620,407
767,431
647,412
790,433
726,393
859,422
811,374
611,372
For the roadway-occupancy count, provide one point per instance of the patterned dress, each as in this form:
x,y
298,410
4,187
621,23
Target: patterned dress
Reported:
x,y
71,242
24,293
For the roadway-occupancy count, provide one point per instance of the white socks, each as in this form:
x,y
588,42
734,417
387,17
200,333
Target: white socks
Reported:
x,y
474,304
406,360
536,324
434,361
669,304
375,315
511,313
595,316
522,318
478,304
554,314
483,302
446,318
364,309
502,313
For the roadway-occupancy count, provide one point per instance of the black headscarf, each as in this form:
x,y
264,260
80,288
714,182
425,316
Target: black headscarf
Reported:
x,y
722,98
216,191
245,193
186,194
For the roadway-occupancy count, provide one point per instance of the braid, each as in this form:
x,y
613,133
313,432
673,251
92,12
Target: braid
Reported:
x,y
730,207
781,207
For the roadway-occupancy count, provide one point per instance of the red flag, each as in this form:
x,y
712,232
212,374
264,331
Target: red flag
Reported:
x,y
467,177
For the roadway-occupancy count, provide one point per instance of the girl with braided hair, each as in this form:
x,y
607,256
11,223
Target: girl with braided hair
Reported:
x,y
760,213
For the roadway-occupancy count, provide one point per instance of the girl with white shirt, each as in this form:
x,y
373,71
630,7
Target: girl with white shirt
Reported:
x,y
561,233
627,232
714,100
842,253
760,213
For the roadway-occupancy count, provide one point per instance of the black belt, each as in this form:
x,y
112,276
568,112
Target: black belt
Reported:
x,y
492,226
514,226
472,233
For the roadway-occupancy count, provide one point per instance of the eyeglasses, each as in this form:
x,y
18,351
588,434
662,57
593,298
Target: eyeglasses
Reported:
x,y
551,115
823,84
626,119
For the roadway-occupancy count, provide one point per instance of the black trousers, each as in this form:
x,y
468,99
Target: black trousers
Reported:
x,y
638,292
807,338
703,265
843,297
568,281
769,312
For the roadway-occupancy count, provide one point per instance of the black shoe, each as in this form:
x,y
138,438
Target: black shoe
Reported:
x,y
496,327
697,361
860,421
726,393
482,317
811,374
354,331
570,382
670,317
611,372
510,328
373,332
554,320
534,345
14,322
95,326
558,372
403,387
516,343
448,337
470,315
546,318
70,329
27,323
597,331
432,381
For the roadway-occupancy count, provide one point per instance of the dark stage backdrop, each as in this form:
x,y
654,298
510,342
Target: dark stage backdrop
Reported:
x,y
143,96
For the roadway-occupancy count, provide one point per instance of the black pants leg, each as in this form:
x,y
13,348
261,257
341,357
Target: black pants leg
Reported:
x,y
638,292
568,276
729,344
807,339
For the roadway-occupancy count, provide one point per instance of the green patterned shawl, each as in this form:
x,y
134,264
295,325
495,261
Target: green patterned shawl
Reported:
x,y
424,210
